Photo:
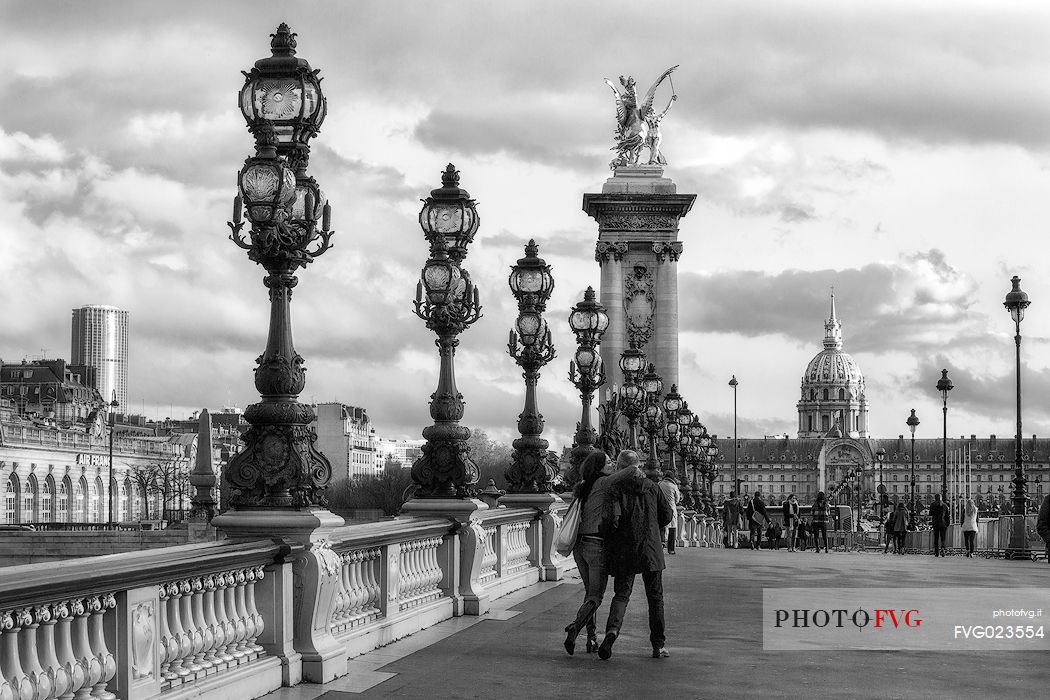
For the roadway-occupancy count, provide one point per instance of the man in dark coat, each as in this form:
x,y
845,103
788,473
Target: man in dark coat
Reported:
x,y
757,518
1042,524
940,518
635,547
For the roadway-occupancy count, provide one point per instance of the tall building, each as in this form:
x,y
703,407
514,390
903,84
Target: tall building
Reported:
x,y
346,437
100,340
833,390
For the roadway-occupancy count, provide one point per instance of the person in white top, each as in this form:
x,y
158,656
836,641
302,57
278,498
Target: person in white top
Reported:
x,y
673,495
969,525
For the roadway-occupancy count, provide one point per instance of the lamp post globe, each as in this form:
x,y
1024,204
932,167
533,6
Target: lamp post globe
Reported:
x,y
284,92
651,382
632,362
451,213
1016,302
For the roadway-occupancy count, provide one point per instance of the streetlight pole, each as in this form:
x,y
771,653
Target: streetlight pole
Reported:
x,y
880,457
531,347
1016,303
632,363
734,383
944,385
588,321
653,386
112,424
913,423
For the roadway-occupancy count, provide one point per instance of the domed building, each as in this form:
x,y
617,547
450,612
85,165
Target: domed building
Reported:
x,y
833,403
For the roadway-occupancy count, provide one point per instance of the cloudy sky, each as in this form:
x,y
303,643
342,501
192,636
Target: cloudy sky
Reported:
x,y
900,153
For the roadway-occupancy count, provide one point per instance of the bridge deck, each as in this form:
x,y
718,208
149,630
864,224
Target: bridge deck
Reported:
x,y
713,606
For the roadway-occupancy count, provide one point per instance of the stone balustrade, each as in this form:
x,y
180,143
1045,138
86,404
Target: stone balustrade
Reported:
x,y
201,619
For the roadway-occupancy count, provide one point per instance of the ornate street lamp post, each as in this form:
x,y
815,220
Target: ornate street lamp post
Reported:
x,y
1016,303
913,423
944,385
880,457
734,383
712,473
632,396
447,302
588,321
653,386
531,347
112,425
280,467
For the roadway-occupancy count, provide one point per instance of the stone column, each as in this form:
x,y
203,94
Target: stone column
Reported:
x,y
638,213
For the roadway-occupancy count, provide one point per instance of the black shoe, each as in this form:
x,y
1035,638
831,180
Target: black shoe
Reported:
x,y
660,653
592,645
570,638
605,650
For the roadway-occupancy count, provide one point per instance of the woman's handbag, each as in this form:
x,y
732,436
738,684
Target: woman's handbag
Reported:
x,y
565,540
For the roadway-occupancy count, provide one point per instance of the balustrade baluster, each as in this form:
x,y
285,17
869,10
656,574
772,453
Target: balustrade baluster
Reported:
x,y
203,638
190,631
66,655
27,652
169,646
435,568
353,589
48,651
256,574
341,607
213,637
82,646
98,646
225,635
243,622
372,573
11,623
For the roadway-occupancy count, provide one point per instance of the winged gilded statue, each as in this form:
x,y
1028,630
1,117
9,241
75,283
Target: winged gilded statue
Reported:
x,y
637,124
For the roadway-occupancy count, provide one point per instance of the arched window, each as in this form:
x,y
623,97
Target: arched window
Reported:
x,y
11,499
842,394
97,513
47,503
80,502
64,489
136,501
123,507
825,394
29,500
809,423
825,423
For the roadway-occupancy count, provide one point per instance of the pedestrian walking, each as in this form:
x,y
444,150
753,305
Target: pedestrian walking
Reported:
x,y
757,518
669,489
634,547
597,491
819,511
803,535
731,516
969,526
791,511
940,518
900,526
890,539
773,534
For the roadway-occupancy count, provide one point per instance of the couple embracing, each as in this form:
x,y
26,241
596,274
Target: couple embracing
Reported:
x,y
622,516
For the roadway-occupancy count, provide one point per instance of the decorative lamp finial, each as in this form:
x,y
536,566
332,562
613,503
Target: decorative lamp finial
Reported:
x,y
282,42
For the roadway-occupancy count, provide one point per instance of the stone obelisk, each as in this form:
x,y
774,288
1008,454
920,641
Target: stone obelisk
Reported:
x,y
638,213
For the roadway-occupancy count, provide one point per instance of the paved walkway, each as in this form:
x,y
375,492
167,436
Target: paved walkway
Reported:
x,y
713,608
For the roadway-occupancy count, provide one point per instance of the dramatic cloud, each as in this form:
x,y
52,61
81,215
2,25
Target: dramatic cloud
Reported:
x,y
918,301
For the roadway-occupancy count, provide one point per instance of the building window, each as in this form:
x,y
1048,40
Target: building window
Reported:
x,y
11,500
47,503
842,394
80,501
29,500
825,394
63,501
